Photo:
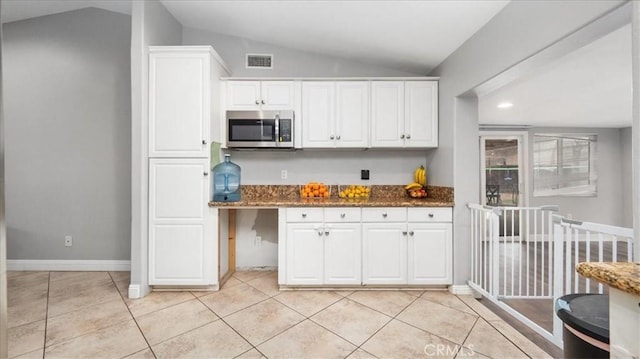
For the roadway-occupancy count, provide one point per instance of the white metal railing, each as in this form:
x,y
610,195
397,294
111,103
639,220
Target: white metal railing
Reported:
x,y
531,253
511,250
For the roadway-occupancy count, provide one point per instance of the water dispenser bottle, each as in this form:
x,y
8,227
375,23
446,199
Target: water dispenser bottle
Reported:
x,y
226,181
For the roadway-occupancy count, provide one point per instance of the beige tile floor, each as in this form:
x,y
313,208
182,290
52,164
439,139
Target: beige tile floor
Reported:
x,y
87,315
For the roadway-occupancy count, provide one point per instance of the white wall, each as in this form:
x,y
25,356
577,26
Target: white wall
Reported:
x,y
151,24
519,31
286,62
67,111
607,206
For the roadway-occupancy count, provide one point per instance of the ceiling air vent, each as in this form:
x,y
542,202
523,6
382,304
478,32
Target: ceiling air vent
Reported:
x,y
259,61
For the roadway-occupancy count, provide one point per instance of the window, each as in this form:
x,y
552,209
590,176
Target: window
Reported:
x,y
564,165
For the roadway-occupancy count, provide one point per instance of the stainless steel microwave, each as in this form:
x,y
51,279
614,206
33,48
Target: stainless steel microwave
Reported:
x,y
260,129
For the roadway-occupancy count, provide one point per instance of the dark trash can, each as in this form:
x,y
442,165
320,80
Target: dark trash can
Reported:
x,y
586,325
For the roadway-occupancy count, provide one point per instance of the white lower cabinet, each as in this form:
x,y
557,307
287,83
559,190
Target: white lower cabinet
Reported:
x,y
429,258
319,252
384,253
377,246
181,238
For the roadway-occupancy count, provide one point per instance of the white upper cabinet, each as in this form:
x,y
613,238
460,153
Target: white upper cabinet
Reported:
x,y
404,114
318,114
335,114
421,113
352,114
387,114
179,103
260,95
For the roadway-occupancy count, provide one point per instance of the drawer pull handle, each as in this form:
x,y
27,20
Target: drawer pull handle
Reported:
x,y
342,215
384,215
430,215
304,215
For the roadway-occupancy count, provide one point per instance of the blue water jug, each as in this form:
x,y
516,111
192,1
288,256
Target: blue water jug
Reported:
x,y
226,181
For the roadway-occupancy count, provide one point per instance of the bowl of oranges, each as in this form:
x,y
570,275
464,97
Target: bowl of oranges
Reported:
x,y
354,191
315,190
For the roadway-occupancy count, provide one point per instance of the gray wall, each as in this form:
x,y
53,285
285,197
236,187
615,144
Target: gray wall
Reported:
x,y
386,166
151,24
520,30
286,62
607,206
68,135
626,173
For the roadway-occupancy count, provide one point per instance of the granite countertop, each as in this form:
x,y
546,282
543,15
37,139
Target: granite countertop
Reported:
x,y
273,196
624,276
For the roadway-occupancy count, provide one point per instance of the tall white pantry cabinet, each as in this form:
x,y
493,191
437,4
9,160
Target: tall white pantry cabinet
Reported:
x,y
183,104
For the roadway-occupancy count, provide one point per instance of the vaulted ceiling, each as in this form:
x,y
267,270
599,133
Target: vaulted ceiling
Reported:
x,y
590,87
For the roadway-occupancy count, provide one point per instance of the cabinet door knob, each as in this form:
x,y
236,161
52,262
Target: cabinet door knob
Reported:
x,y
206,173
326,233
384,215
304,215
338,137
408,137
257,102
411,233
331,137
402,137
204,142
263,102
342,215
320,232
430,215
404,233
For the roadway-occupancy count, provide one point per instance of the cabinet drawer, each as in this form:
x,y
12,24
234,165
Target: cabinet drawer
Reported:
x,y
384,214
304,214
430,214
342,214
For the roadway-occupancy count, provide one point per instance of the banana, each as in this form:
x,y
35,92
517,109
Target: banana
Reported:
x,y
413,185
420,176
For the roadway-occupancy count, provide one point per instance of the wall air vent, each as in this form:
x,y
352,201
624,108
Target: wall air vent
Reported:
x,y
259,61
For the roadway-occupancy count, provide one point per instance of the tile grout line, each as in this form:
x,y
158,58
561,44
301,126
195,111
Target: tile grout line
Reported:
x,y
46,317
386,324
227,324
133,317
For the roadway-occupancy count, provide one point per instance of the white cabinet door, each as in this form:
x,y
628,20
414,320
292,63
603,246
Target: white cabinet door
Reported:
x,y
277,95
352,114
387,114
384,259
318,114
260,95
342,253
305,246
430,253
179,103
180,223
421,114
243,95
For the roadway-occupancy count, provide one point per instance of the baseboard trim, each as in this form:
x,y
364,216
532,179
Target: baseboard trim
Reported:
x,y
67,265
461,289
134,291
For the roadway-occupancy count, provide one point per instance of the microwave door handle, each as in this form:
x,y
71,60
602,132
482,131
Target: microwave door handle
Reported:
x,y
277,130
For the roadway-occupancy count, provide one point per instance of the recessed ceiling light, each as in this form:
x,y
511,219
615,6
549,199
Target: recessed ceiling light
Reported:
x,y
505,105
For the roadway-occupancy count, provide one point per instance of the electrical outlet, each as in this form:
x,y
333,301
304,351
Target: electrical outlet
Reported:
x,y
258,241
283,174
68,241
